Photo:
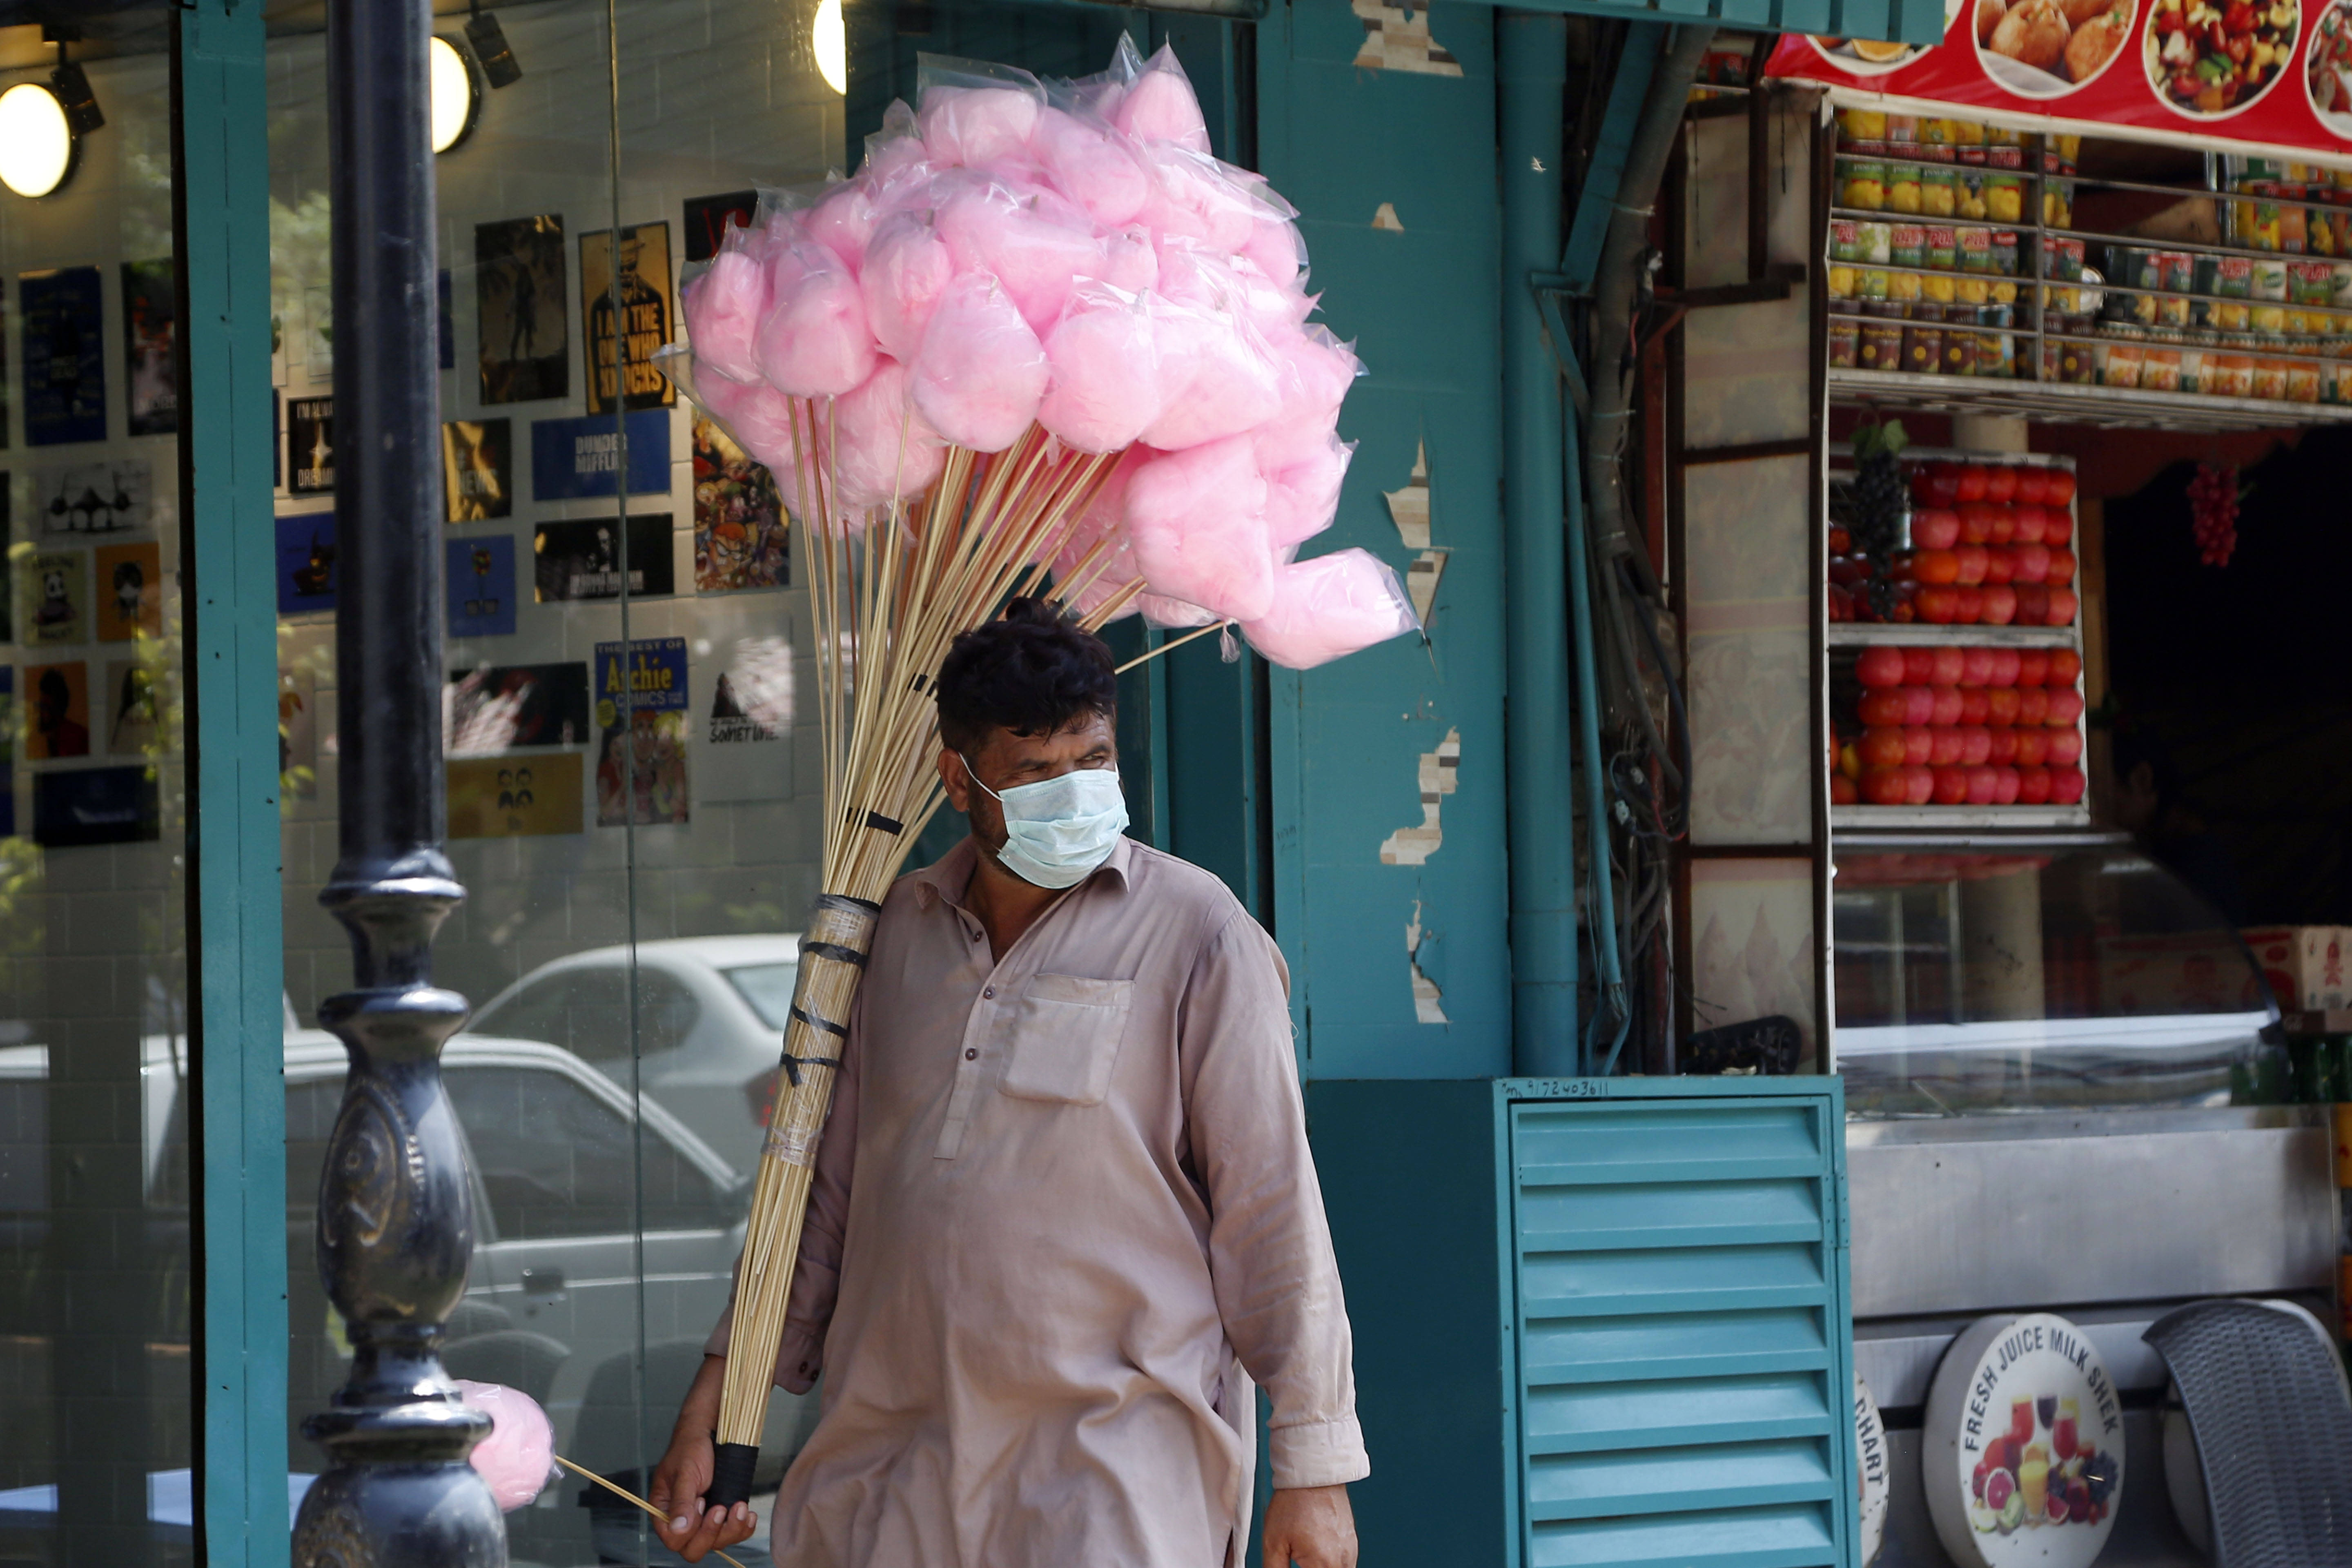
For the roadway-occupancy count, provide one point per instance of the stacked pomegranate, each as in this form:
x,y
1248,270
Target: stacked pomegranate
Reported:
x,y
1963,726
1989,546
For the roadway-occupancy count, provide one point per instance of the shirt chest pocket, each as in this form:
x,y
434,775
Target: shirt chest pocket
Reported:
x,y
1065,1038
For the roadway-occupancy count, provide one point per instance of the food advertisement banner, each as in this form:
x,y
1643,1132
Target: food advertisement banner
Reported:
x,y
2256,76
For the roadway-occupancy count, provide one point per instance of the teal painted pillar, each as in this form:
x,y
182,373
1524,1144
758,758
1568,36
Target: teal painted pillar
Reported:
x,y
229,646
1531,84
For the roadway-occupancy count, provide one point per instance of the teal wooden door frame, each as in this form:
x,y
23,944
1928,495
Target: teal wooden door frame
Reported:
x,y
229,647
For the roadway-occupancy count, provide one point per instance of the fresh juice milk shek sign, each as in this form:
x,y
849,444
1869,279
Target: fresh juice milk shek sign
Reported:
x,y
2022,1455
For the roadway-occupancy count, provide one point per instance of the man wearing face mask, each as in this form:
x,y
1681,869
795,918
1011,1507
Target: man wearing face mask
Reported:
x,y
1064,1219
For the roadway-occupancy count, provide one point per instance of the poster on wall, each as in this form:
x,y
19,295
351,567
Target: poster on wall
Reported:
x,y
753,699
60,696
8,723
644,313
306,563
582,560
447,327
521,309
2270,77
708,217
56,597
130,591
500,706
127,709
577,457
309,446
75,500
740,539
149,338
96,805
512,798
643,738
4,376
477,469
64,326
480,578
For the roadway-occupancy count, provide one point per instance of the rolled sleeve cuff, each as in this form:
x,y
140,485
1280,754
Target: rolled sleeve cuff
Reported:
x,y
798,1358
1317,1454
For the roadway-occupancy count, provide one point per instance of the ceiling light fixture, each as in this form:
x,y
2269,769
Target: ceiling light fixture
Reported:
x,y
500,67
38,146
455,99
829,41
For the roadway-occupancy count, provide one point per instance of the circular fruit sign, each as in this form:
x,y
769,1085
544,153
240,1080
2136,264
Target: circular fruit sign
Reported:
x,y
1870,1469
2022,1458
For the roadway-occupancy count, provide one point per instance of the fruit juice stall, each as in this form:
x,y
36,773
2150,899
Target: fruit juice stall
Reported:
x,y
2025,269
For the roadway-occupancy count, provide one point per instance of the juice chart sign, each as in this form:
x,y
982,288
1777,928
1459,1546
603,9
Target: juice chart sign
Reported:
x,y
2257,76
2022,1452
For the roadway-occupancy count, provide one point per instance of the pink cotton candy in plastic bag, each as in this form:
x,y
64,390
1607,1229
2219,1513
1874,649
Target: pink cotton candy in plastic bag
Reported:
x,y
1233,386
1035,246
882,447
1304,466
1091,166
980,373
517,1460
724,308
814,342
1329,607
1103,384
1197,521
843,221
1128,261
1193,198
976,125
907,266
1173,613
1159,105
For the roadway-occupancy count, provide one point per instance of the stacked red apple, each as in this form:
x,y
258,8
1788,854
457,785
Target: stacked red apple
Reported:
x,y
1969,726
1989,547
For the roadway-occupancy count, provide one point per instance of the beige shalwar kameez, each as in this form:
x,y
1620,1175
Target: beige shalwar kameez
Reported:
x,y
1064,1214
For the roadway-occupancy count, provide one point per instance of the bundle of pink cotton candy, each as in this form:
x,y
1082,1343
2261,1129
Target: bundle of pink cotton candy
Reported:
x,y
518,1458
1329,607
1016,254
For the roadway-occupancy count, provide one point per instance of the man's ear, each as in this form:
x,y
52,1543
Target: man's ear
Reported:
x,y
957,782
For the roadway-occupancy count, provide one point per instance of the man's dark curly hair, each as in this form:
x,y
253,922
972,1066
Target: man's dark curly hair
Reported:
x,y
1032,672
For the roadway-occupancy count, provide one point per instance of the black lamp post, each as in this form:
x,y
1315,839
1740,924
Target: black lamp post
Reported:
x,y
396,1223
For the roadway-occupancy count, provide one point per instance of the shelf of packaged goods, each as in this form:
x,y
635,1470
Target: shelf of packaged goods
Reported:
x,y
1958,816
2066,403
1918,633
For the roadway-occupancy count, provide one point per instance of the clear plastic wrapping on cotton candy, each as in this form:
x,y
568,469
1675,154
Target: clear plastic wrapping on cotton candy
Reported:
x,y
1329,607
1017,255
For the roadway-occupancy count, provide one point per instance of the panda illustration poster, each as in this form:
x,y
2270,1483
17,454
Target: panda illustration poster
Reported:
x,y
57,597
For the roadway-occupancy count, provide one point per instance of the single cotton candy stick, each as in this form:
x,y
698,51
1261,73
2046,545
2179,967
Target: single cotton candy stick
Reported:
x,y
842,222
1159,105
1235,386
906,267
814,342
1025,242
882,449
518,1458
982,372
1303,469
1329,607
976,125
723,310
1197,521
1092,166
1103,381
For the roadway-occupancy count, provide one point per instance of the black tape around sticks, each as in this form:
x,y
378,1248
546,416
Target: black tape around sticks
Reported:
x,y
847,904
730,1474
880,823
814,1022
834,951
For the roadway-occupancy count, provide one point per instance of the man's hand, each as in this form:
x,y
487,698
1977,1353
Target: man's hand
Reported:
x,y
685,1526
1312,1527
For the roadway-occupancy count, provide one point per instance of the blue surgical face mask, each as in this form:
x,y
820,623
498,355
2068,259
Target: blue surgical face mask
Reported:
x,y
1058,830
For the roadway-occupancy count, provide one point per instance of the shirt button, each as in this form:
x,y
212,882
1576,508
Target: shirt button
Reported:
x,y
990,992
971,1053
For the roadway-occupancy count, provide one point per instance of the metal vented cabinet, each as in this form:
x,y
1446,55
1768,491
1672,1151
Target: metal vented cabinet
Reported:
x,y
1665,1259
